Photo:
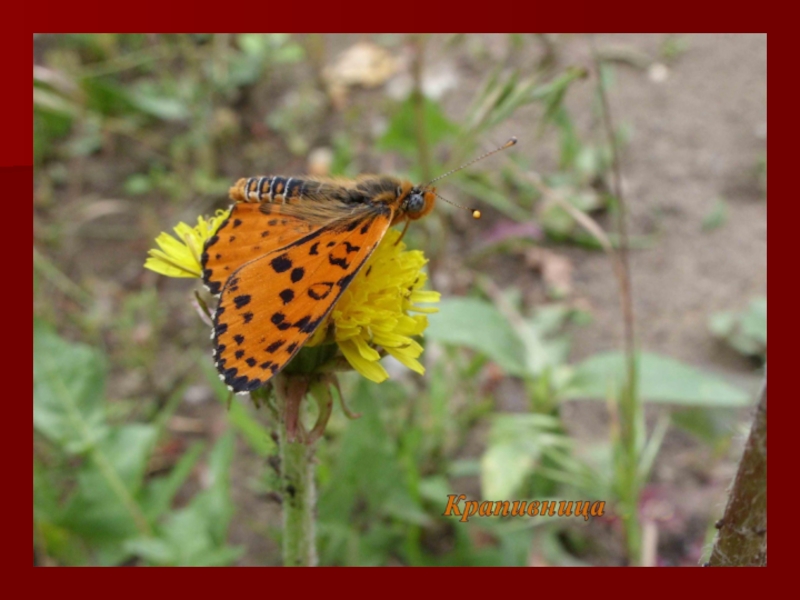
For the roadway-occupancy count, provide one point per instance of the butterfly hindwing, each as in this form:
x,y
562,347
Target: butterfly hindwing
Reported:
x,y
270,305
247,234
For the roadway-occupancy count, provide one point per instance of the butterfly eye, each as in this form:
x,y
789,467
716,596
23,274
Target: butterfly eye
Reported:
x,y
415,203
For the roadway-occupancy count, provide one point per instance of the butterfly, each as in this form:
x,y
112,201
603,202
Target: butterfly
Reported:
x,y
284,256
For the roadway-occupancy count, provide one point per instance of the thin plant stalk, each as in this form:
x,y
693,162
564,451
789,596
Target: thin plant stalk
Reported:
x,y
418,102
630,417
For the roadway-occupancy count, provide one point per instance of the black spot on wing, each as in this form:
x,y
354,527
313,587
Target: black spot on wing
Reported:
x,y
239,339
321,290
215,287
237,222
241,301
303,323
313,250
297,274
306,325
212,240
248,316
281,264
269,365
287,296
345,281
279,320
274,346
339,262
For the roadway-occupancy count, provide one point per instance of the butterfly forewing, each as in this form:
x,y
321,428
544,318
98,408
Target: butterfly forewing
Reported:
x,y
245,235
271,304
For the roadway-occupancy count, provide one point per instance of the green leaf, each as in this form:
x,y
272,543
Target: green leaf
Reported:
x,y
45,496
754,320
153,102
661,379
215,502
746,332
711,425
369,485
138,184
553,93
516,443
160,493
196,535
478,325
401,133
98,510
68,390
106,97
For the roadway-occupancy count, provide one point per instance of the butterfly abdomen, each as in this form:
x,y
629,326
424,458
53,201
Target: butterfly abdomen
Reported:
x,y
269,189
277,189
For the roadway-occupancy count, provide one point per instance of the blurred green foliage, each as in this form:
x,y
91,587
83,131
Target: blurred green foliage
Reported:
x,y
745,331
93,499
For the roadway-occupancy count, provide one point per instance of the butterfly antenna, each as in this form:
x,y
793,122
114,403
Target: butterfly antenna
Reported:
x,y
476,214
508,144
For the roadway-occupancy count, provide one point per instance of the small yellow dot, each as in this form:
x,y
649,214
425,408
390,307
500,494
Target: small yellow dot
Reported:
x,y
476,214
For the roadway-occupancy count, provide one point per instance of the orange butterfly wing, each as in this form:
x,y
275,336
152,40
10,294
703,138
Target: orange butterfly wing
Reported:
x,y
270,305
247,234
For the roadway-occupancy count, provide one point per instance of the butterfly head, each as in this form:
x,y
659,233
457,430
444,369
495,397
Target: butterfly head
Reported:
x,y
417,202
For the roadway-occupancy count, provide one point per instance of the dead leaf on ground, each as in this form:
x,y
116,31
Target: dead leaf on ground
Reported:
x,y
365,64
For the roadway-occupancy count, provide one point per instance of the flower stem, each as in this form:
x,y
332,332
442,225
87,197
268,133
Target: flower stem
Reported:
x,y
299,502
297,480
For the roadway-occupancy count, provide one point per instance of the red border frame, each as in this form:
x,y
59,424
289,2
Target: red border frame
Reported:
x,y
17,152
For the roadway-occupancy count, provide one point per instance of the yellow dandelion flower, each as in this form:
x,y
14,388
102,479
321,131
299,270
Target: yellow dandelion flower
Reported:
x,y
374,310
181,257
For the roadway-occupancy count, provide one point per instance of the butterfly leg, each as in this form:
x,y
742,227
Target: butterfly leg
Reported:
x,y
402,235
